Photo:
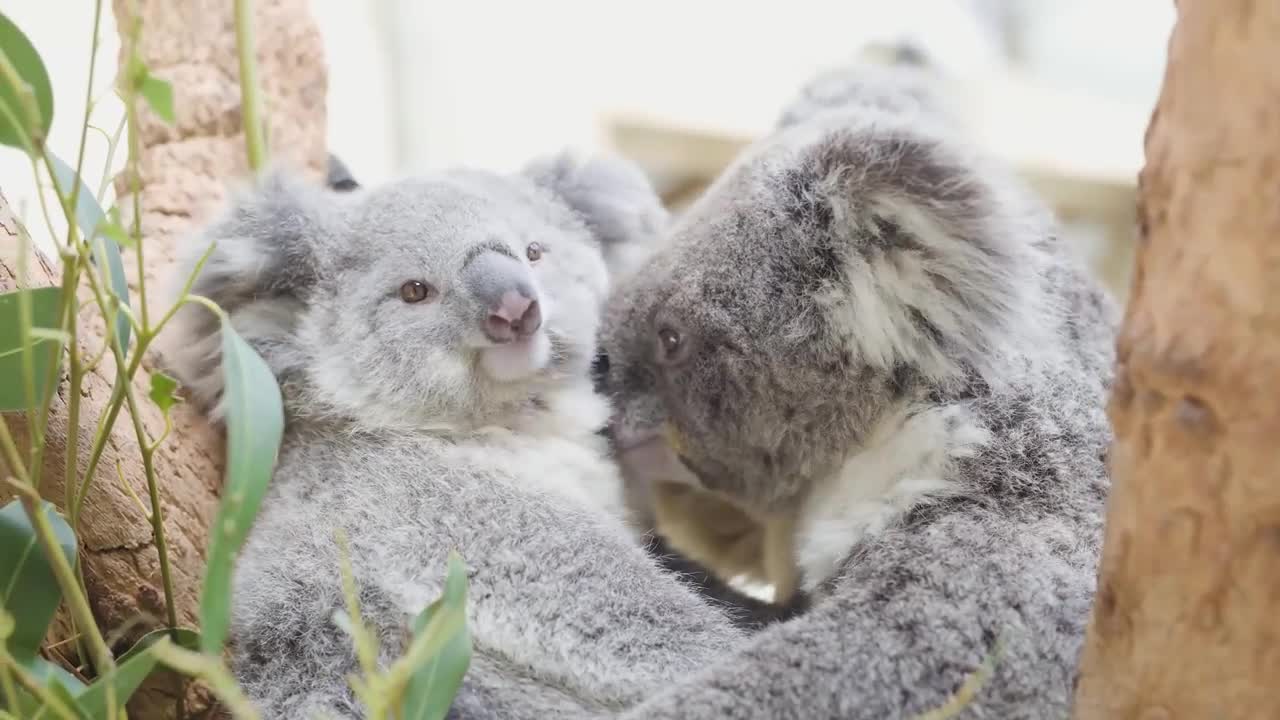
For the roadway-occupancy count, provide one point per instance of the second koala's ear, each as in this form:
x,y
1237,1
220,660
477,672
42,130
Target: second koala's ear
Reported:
x,y
339,176
613,197
264,242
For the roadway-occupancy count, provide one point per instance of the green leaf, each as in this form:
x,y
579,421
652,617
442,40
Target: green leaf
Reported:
x,y
159,95
28,589
433,686
90,218
49,674
61,692
255,422
30,68
111,228
162,387
44,314
128,675
59,682
182,637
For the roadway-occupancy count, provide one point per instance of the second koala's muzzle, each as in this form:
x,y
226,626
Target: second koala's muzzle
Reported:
x,y
504,288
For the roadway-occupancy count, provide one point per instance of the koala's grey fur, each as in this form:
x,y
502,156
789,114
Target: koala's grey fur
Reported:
x,y
905,82
396,435
881,334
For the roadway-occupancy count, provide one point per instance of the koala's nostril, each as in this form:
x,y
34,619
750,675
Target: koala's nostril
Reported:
x,y
530,321
515,316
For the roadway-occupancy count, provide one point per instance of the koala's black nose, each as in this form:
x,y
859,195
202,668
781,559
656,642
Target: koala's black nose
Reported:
x,y
515,316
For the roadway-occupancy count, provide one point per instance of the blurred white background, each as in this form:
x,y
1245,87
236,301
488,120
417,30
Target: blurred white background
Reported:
x,y
416,84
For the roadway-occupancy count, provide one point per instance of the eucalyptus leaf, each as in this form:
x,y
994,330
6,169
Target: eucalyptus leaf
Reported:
x,y
255,422
24,58
60,691
111,228
44,314
182,637
48,674
432,687
159,95
60,683
128,675
162,391
91,219
29,590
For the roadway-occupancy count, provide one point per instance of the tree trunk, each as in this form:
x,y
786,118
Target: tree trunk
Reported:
x,y
185,170
1184,623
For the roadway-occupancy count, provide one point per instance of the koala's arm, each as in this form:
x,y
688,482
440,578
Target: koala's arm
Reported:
x,y
912,617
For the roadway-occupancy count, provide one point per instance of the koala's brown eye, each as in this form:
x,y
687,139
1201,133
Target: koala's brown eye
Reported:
x,y
416,291
534,252
669,345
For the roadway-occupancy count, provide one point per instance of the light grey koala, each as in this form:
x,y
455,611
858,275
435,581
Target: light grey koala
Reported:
x,y
868,329
432,338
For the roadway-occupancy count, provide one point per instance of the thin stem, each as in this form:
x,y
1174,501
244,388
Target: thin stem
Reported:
x,y
112,143
88,108
129,489
135,181
103,431
125,381
250,100
24,333
185,296
203,667
75,370
70,280
157,528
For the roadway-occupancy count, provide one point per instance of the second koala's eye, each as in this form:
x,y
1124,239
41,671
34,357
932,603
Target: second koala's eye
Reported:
x,y
670,345
534,252
416,291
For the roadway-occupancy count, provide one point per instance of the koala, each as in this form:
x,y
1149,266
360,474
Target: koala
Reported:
x,y
868,334
432,339
709,527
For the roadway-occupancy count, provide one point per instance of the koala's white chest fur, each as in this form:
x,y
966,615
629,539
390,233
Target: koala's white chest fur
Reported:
x,y
558,449
575,470
905,462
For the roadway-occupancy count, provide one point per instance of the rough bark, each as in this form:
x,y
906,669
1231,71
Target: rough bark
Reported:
x,y
184,172
1189,591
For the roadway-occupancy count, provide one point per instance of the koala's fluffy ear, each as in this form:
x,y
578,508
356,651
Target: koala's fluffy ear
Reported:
x,y
904,82
260,269
613,197
339,176
263,242
940,249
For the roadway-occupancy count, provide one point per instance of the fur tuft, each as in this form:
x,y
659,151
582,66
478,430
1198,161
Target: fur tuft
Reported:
x,y
259,267
615,200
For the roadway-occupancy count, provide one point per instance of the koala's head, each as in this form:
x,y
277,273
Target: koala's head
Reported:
x,y
904,83
835,271
446,301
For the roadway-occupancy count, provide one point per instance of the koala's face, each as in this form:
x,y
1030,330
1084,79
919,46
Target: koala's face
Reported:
x,y
828,274
439,300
